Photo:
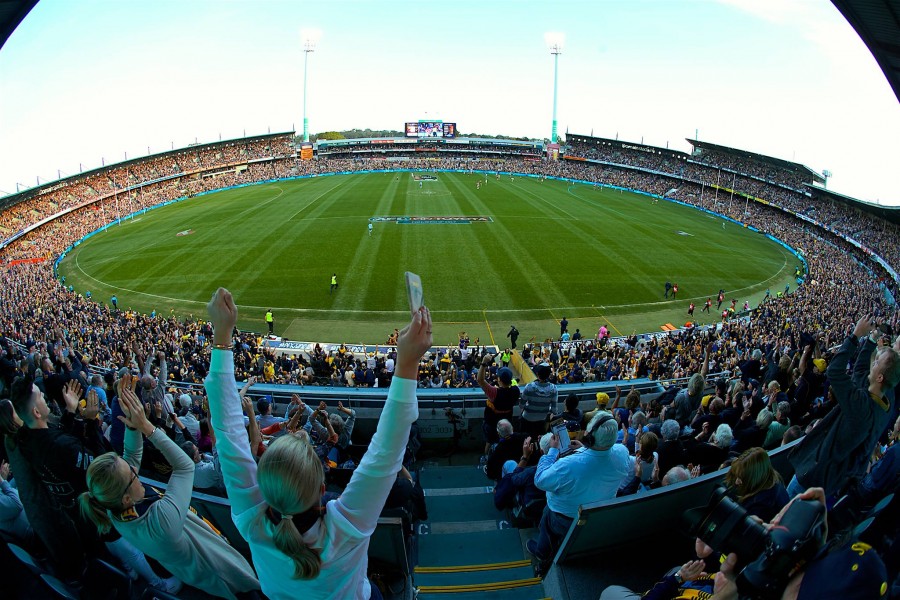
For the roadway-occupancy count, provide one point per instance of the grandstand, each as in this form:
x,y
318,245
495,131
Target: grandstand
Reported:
x,y
849,247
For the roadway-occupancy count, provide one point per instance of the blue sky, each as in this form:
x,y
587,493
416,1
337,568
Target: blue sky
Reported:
x,y
81,81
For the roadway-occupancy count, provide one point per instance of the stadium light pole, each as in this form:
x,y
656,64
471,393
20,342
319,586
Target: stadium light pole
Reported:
x,y
554,41
310,38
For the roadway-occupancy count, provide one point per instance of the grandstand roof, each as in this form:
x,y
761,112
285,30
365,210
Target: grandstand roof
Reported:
x,y
777,162
12,199
11,14
878,24
889,213
627,144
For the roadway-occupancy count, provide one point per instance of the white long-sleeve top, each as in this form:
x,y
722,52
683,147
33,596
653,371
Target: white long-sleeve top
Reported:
x,y
342,536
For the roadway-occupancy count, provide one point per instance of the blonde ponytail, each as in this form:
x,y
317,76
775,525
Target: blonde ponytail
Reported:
x,y
93,512
105,489
287,538
290,479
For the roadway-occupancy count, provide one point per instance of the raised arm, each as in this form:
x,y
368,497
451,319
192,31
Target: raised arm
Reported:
x,y
136,426
238,466
864,328
362,501
704,370
168,514
806,358
163,368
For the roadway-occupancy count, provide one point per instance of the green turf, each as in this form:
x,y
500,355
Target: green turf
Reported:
x,y
552,249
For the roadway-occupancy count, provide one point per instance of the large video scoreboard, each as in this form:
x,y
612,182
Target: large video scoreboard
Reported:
x,y
430,129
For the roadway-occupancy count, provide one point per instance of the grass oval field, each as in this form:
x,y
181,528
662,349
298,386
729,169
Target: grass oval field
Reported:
x,y
519,251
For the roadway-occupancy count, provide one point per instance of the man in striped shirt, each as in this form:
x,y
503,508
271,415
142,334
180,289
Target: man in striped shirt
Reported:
x,y
538,403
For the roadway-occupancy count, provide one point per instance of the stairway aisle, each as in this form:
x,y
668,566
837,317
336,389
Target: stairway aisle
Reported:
x,y
466,549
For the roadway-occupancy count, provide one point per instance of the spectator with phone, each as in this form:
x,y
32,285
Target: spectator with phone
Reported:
x,y
516,489
509,443
592,473
299,549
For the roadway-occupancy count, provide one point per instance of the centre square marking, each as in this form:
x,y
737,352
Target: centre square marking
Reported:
x,y
432,220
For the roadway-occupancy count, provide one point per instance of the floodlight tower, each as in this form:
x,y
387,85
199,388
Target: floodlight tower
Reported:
x,y
310,38
554,41
826,174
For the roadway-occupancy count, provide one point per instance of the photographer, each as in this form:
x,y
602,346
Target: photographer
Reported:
x,y
843,569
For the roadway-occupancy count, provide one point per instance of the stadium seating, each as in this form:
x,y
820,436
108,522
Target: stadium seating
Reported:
x,y
46,221
613,528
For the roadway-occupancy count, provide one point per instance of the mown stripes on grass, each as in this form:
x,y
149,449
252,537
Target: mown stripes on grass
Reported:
x,y
552,249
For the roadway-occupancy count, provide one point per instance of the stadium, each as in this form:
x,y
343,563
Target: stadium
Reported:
x,y
572,246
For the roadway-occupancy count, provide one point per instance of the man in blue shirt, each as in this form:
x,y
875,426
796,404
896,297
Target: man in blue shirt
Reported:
x,y
592,473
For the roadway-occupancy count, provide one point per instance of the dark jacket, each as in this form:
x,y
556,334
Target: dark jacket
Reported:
x,y
518,488
671,454
50,467
837,450
506,449
767,503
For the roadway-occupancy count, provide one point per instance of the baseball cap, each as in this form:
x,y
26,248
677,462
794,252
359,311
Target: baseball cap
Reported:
x,y
850,572
505,375
820,364
262,404
602,399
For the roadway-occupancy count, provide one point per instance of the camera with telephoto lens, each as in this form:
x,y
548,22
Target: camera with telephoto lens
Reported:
x,y
767,558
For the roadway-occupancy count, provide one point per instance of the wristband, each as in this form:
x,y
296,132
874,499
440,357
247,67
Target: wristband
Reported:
x,y
222,347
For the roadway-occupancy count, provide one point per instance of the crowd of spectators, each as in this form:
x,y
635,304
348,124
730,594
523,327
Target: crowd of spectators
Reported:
x,y
833,287
773,385
782,186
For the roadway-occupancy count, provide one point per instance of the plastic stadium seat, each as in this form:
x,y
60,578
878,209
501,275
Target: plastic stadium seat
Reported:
x,y
61,589
154,594
116,584
27,559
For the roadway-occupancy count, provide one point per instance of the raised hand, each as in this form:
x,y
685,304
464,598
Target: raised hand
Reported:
x,y
135,415
414,340
71,395
864,326
92,405
247,405
223,315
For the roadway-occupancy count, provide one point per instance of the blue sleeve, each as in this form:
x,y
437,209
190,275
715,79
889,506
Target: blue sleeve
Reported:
x,y
547,477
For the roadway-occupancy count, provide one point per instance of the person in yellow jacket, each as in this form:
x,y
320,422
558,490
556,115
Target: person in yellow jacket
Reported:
x,y
270,321
334,283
